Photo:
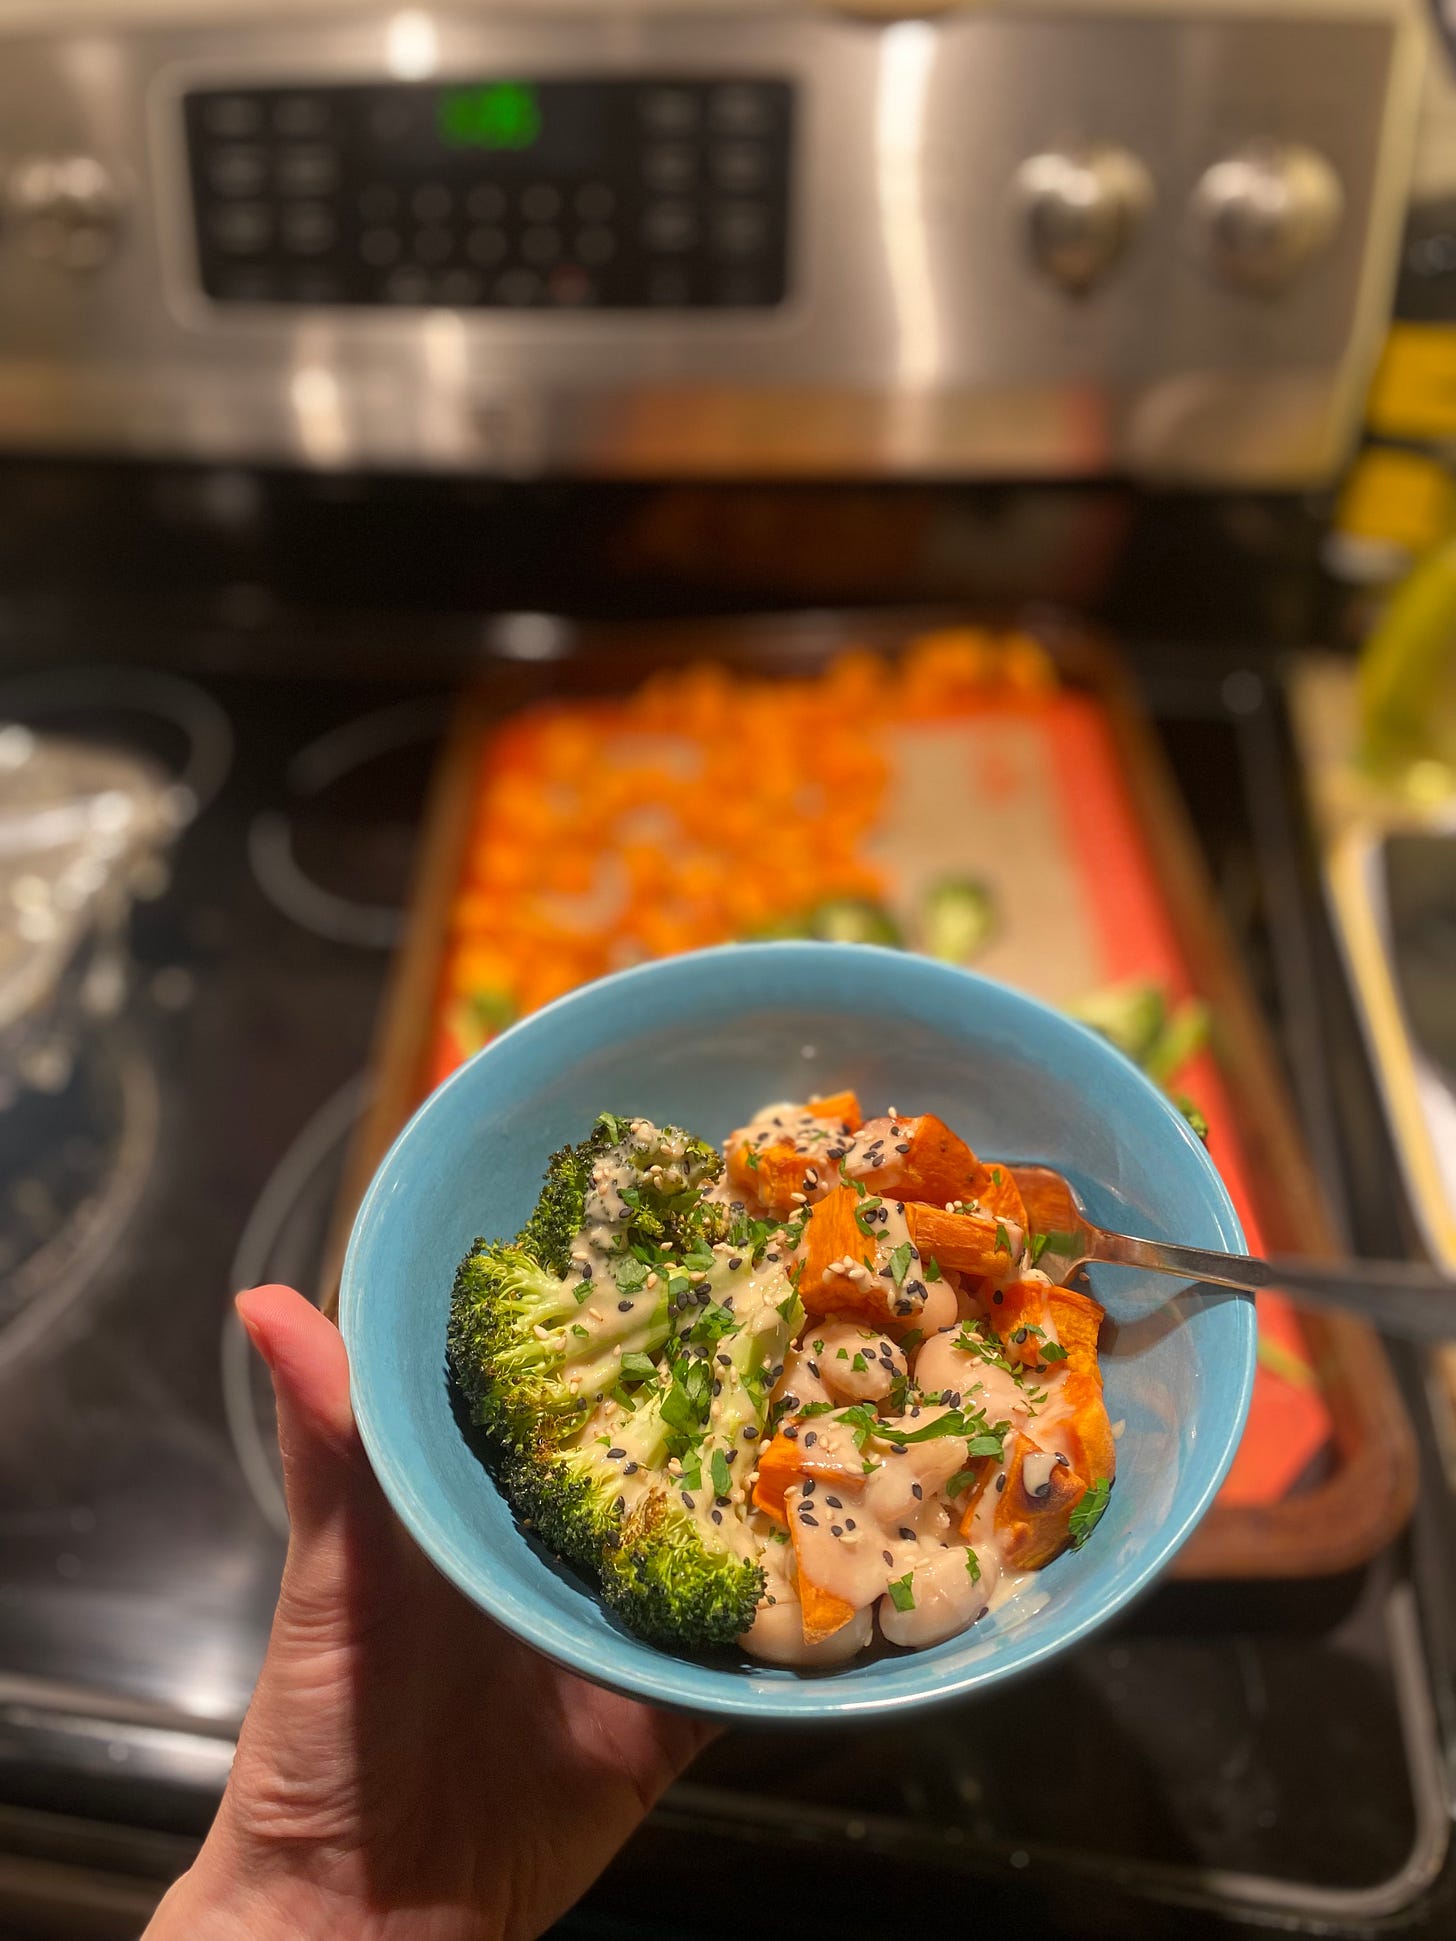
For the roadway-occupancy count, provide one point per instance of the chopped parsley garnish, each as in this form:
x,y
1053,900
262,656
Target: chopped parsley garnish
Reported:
x,y
901,1595
864,1213
960,1482
630,1275
818,1347
859,1364
842,1354
900,1262
582,1333
973,1566
785,1308
721,1474
1088,1513
932,1269
1003,1239
583,1293
637,1367
1053,1351
616,1128
858,1184
912,1337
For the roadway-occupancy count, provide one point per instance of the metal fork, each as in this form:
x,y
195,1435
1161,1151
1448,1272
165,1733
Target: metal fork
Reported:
x,y
1400,1296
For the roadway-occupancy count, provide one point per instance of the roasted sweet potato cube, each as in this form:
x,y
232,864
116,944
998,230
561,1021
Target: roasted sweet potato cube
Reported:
x,y
1077,1319
1034,1510
822,1612
998,1192
840,1108
1087,1432
938,1167
833,1235
972,1243
785,1461
769,1176
1023,1307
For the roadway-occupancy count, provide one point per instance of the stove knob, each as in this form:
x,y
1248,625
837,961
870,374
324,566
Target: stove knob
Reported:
x,y
1082,207
1262,214
67,209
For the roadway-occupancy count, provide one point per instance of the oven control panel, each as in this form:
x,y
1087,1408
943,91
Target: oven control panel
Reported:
x,y
495,192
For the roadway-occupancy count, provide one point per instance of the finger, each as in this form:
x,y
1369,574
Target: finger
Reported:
x,y
323,1461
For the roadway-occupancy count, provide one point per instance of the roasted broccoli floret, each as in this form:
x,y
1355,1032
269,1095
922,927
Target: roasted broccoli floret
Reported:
x,y
631,1181
533,1352
958,918
621,1358
674,1564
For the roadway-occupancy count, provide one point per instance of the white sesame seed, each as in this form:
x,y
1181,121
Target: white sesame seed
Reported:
x,y
595,1313
541,1334
652,1280
798,1199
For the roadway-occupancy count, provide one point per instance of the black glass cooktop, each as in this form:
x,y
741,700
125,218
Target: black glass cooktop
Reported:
x,y
1229,1752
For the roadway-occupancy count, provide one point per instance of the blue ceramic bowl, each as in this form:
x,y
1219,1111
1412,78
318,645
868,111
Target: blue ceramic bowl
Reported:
x,y
703,1040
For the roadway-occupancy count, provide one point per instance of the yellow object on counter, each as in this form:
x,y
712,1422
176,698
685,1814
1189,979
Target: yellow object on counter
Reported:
x,y
1408,682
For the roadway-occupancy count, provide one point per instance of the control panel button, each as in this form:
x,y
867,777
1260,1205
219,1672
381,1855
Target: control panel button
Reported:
x,y
301,115
741,109
1262,214
306,171
242,228
237,169
541,202
1082,209
739,165
307,229
232,116
670,225
669,167
670,111
739,228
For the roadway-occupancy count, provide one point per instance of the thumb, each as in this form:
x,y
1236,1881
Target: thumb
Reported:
x,y
339,1523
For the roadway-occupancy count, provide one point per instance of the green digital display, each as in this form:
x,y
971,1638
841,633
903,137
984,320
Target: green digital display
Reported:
x,y
499,115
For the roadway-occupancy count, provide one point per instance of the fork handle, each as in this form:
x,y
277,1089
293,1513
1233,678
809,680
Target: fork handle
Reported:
x,y
1401,1297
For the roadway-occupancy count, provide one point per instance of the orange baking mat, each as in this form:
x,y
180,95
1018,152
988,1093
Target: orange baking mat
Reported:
x,y
709,806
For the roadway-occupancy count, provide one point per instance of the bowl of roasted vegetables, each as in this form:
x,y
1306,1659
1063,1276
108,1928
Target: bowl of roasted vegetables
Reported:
x,y
703,1334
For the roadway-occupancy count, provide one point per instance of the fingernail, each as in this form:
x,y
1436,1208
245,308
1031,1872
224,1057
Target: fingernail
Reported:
x,y
259,1341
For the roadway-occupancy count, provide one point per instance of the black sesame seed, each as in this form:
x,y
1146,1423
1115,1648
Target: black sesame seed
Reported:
x,y
1019,1336
630,1469
586,1270
887,1556
982,1612
688,1501
703,1297
615,1455
811,1438
849,1523
717,1516
725,1361
621,1506
750,1434
717,1388
808,1489
998,1297
735,1263
772,1257
812,1522
836,1529
1064,1462
791,1431
1000,1483
907,1534
917,1492
624,1307
904,1148
834,1502
722,1501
